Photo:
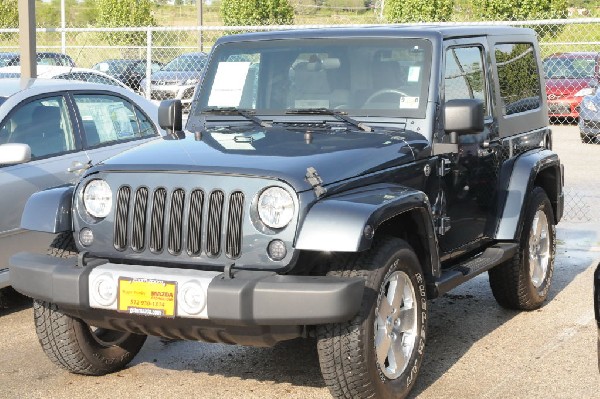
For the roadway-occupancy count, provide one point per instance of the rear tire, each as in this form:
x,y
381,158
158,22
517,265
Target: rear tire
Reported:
x,y
523,282
379,352
71,343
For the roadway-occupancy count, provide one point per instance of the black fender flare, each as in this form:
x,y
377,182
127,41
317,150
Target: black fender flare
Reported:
x,y
540,167
49,211
348,222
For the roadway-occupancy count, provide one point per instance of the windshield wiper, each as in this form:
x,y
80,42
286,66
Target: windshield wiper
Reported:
x,y
237,111
339,115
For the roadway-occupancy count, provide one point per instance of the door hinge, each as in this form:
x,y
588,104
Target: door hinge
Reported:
x,y
442,225
444,167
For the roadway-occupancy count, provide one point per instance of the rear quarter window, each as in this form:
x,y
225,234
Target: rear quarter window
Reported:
x,y
518,77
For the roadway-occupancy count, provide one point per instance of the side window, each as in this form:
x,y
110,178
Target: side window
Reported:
x,y
464,76
518,77
43,124
109,119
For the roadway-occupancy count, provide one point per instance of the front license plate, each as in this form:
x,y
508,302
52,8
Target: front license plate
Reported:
x,y
147,297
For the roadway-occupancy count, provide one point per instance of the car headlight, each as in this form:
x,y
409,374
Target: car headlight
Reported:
x,y
97,198
585,92
589,104
275,207
192,81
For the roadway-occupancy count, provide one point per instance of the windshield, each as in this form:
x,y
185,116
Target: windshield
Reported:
x,y
113,67
2,99
569,68
360,76
185,63
5,59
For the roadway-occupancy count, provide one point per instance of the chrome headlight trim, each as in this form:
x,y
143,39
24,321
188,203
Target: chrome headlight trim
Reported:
x,y
276,207
97,198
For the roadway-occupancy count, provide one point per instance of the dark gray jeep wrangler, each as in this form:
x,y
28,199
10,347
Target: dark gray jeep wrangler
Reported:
x,y
328,183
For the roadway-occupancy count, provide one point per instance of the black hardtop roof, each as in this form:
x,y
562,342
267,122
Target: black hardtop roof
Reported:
x,y
428,31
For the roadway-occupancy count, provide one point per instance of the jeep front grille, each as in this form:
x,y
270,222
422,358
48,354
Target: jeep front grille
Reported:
x,y
184,222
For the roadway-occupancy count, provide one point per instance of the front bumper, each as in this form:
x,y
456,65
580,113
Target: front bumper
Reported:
x,y
564,108
247,298
589,123
185,93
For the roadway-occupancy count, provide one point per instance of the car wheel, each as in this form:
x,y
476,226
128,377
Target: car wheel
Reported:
x,y
523,282
74,345
379,352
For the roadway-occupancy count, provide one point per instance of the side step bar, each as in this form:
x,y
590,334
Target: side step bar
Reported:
x,y
472,267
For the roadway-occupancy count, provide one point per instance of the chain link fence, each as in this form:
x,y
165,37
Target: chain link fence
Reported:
x,y
166,62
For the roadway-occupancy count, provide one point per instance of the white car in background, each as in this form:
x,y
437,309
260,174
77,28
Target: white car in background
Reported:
x,y
50,131
66,73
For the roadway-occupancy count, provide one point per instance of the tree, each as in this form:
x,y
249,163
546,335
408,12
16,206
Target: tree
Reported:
x,y
519,10
125,13
9,14
256,12
402,11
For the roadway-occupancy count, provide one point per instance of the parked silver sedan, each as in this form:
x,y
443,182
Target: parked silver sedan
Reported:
x,y
49,131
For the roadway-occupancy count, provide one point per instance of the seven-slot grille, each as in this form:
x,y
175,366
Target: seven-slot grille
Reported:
x,y
191,222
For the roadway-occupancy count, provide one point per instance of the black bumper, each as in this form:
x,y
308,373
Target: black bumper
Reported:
x,y
249,298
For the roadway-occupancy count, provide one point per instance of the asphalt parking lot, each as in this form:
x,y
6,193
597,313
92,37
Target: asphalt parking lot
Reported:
x,y
475,348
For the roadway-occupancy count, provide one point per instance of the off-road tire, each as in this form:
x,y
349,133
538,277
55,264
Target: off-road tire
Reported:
x,y
511,282
346,350
72,344
63,246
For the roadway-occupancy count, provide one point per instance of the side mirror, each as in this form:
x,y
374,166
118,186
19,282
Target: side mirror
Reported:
x,y
464,116
169,116
14,153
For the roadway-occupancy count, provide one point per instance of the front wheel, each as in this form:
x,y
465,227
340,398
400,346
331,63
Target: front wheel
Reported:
x,y
523,282
380,351
74,345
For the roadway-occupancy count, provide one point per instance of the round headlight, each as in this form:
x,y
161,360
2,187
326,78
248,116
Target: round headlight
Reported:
x,y
275,207
97,198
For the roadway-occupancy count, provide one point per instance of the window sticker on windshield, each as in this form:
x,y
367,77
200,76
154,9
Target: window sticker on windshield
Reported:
x,y
413,73
409,102
229,84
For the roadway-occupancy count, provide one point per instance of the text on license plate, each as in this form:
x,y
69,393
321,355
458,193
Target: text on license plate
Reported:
x,y
147,296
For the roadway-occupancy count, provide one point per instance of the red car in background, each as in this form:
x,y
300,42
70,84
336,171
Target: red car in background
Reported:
x,y
570,77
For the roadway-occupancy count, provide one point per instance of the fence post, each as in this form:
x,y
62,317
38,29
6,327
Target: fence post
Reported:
x,y
27,40
148,61
63,25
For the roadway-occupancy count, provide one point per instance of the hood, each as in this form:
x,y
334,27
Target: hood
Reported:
x,y
275,152
566,87
175,76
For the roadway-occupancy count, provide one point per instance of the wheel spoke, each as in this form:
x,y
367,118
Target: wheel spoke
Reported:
x,y
383,342
398,358
385,308
398,295
538,221
407,320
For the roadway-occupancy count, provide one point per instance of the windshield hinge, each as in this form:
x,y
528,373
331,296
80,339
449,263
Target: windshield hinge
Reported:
x,y
313,178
